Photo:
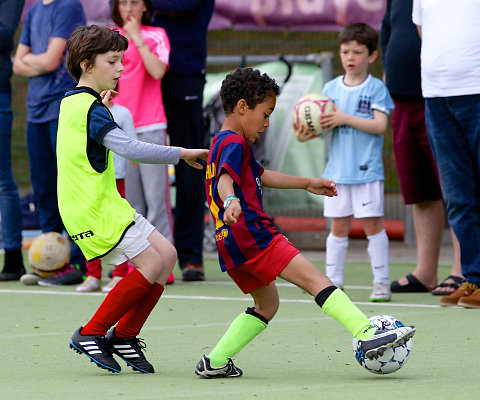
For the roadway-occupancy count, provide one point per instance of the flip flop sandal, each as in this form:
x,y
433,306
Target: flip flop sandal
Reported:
x,y
457,281
413,286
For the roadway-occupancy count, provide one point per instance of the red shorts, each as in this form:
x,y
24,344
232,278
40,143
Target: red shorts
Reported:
x,y
416,167
265,267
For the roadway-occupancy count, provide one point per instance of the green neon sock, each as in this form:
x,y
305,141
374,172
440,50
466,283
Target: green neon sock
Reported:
x,y
341,308
241,331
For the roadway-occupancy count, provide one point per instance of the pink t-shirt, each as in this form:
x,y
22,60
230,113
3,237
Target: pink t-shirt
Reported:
x,y
138,91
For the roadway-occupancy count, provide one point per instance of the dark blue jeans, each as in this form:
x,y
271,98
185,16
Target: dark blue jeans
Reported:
x,y
41,145
10,207
453,126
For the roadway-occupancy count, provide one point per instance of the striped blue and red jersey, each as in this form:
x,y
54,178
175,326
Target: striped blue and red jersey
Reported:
x,y
254,230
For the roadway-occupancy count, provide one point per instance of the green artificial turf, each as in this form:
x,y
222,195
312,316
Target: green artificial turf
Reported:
x,y
303,354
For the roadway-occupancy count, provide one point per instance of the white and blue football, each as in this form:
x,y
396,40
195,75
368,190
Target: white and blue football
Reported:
x,y
393,358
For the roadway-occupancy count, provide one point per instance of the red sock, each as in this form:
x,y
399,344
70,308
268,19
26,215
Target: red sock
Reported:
x,y
124,296
94,268
121,270
132,322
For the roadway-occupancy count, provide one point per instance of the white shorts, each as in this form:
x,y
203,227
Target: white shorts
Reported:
x,y
133,243
362,201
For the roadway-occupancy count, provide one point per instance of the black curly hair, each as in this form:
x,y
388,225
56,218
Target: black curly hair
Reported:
x,y
247,84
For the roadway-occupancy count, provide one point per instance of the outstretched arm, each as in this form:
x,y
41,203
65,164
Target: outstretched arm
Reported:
x,y
278,180
149,153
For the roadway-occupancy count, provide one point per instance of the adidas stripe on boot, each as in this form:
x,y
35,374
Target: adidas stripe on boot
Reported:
x,y
130,351
94,347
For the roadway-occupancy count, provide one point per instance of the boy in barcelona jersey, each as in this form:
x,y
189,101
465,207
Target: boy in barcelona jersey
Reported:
x,y
250,249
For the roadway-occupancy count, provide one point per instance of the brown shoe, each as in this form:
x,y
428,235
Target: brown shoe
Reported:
x,y
471,301
193,272
463,291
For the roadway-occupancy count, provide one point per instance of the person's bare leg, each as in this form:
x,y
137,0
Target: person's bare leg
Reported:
x,y
456,267
429,223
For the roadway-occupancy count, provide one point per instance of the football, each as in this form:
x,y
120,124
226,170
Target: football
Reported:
x,y
394,358
48,253
308,111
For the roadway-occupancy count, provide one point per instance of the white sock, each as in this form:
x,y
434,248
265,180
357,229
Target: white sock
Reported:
x,y
378,252
335,258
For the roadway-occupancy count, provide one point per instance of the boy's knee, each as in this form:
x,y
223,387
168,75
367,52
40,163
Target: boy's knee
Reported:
x,y
170,256
373,226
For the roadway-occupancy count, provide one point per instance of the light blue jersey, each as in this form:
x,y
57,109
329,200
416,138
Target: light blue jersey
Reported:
x,y
356,156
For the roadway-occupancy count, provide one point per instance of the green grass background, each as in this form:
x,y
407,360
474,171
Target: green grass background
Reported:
x,y
303,354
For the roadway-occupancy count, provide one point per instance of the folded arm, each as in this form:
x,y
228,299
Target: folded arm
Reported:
x,y
28,64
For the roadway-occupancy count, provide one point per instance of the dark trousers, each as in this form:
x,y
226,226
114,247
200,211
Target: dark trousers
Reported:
x,y
41,145
183,97
453,127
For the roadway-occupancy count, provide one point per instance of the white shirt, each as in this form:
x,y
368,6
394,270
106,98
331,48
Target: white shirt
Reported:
x,y
123,118
450,57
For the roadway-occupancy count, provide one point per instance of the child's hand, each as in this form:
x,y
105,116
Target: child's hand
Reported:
x,y
327,187
190,156
131,27
107,96
302,133
333,119
232,213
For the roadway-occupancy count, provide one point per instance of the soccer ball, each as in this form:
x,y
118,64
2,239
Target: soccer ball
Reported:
x,y
308,111
48,253
394,358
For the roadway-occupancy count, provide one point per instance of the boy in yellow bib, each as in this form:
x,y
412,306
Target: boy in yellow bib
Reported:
x,y
97,218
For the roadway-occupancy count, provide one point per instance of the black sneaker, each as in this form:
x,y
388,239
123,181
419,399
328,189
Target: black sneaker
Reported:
x,y
205,370
193,273
13,267
94,347
130,351
382,340
70,275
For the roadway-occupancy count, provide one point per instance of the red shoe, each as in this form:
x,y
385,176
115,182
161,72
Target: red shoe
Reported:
x,y
170,280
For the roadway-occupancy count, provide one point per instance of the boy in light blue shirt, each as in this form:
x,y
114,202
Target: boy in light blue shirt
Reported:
x,y
362,104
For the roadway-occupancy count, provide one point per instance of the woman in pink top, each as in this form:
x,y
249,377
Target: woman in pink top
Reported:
x,y
145,62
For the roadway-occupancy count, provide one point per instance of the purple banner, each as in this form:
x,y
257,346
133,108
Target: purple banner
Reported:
x,y
294,15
